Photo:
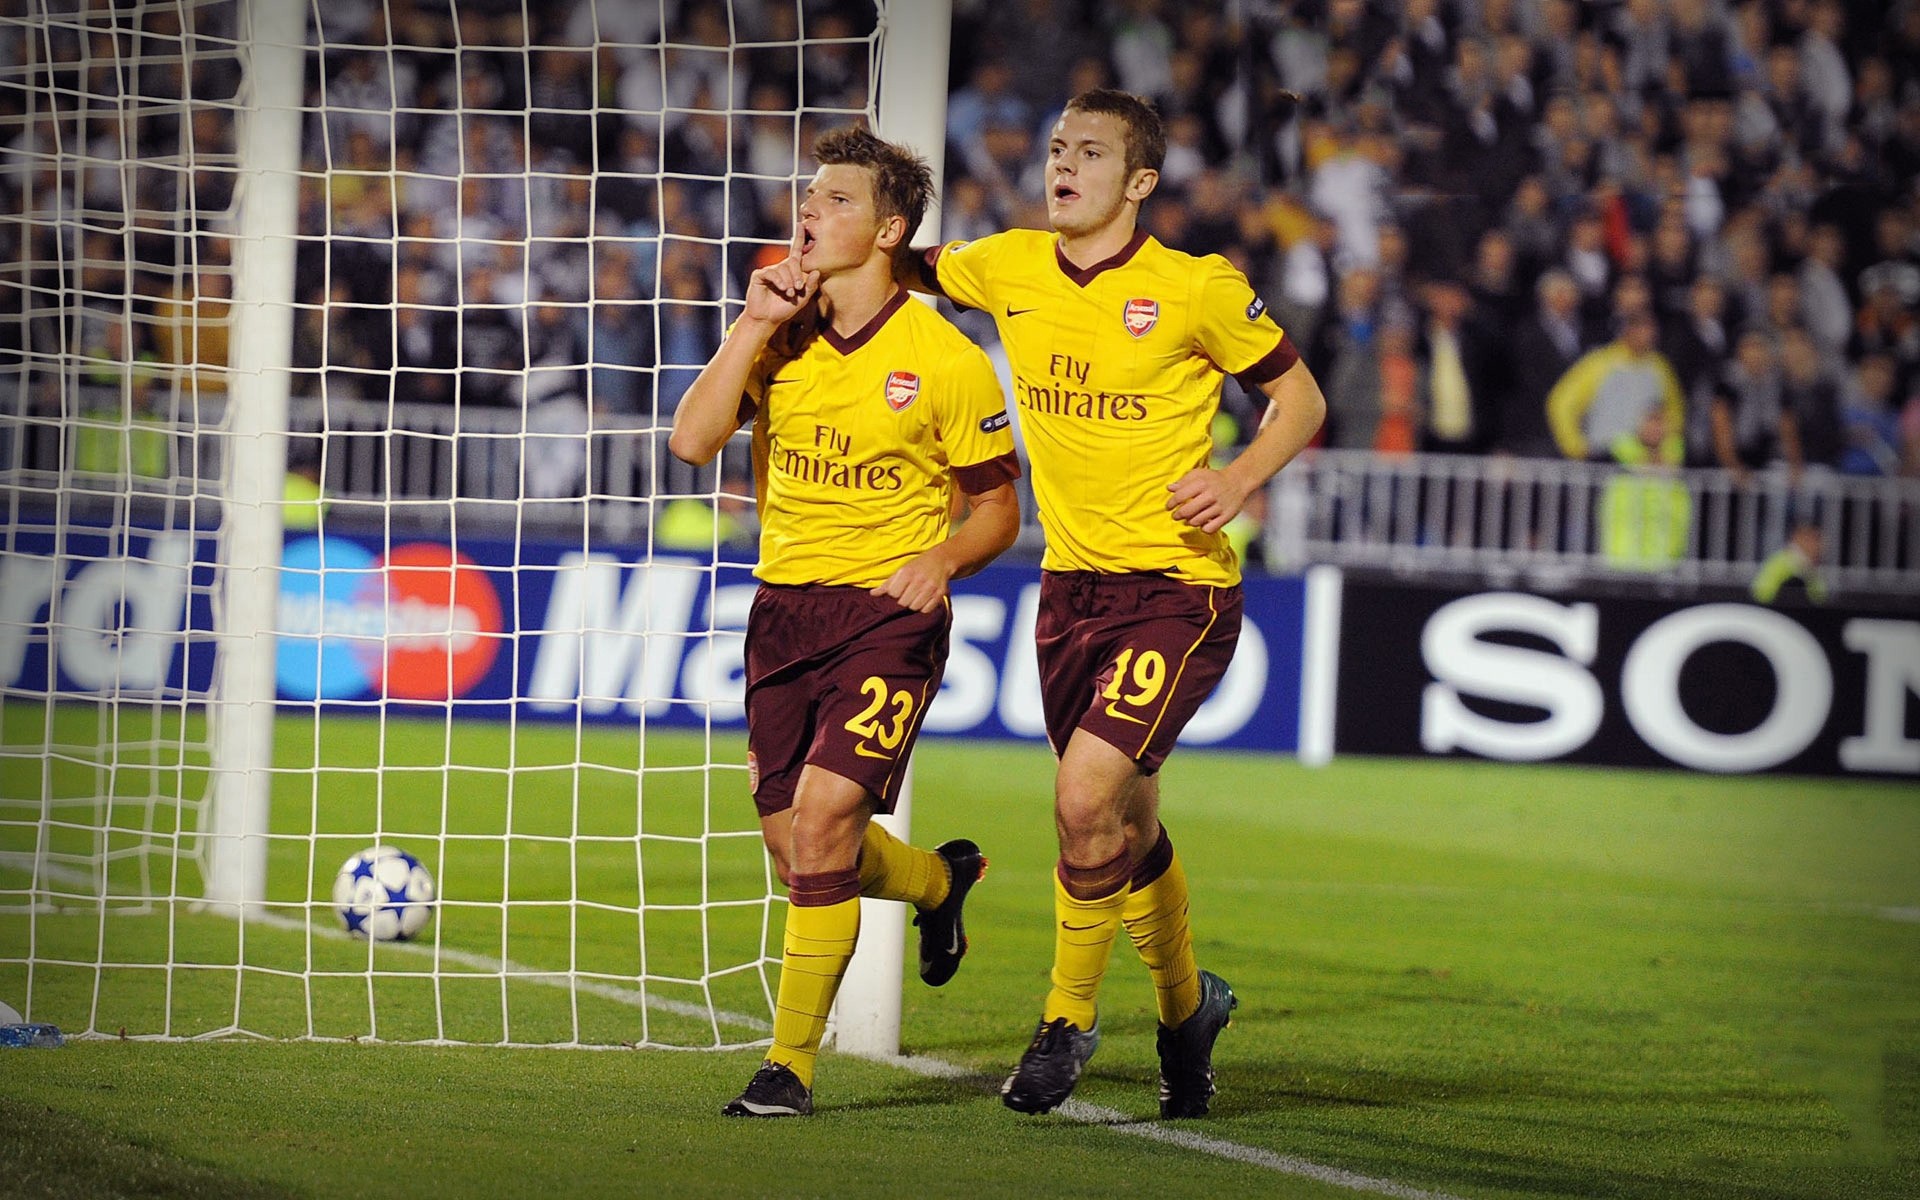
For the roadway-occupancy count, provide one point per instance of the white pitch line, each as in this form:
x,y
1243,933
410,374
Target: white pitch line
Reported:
x,y
1082,1113
1077,1111
519,972
522,973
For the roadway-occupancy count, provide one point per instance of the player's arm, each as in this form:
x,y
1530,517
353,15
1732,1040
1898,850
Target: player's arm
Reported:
x,y
923,273
710,412
1295,408
991,525
958,271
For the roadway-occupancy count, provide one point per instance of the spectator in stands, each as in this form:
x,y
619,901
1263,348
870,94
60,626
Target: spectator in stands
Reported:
x,y
988,98
1671,267
1455,355
1887,325
1611,390
1544,348
1351,185
620,339
1306,285
1869,424
561,99
1796,563
689,329
425,351
1747,408
1646,511
1531,228
191,325
490,352
1696,344
1810,404
1591,267
693,525
123,428
1824,303
556,341
1499,299
1346,353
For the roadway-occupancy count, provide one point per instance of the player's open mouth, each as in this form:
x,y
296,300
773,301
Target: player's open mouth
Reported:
x,y
1063,193
806,240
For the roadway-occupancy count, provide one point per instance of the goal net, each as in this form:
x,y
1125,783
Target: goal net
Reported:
x,y
340,346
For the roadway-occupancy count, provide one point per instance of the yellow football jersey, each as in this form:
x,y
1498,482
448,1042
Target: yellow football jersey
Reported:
x,y
1116,372
858,442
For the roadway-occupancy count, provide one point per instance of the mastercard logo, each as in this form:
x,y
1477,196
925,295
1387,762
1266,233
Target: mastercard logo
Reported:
x,y
421,623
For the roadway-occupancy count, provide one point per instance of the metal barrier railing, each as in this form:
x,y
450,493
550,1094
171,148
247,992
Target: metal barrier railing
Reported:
x,y
1552,521
1507,520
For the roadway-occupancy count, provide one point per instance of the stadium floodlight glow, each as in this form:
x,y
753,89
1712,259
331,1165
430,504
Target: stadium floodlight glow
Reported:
x,y
348,343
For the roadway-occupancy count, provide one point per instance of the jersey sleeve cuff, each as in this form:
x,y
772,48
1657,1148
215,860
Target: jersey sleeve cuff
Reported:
x,y
983,477
1277,362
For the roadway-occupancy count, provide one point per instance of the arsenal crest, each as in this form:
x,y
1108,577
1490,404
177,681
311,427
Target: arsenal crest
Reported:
x,y
902,387
1141,316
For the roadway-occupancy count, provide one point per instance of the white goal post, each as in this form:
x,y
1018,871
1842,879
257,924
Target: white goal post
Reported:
x,y
333,392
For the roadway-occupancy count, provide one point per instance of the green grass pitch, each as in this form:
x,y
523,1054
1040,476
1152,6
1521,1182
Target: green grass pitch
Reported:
x,y
1455,977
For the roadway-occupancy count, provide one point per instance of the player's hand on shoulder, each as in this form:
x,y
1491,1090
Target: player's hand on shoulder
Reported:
x,y
1206,499
775,293
921,584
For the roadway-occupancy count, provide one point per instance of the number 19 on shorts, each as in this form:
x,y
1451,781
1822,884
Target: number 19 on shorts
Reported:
x,y
1137,680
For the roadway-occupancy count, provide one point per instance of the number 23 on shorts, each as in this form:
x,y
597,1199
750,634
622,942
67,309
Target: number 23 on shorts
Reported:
x,y
1138,686
885,719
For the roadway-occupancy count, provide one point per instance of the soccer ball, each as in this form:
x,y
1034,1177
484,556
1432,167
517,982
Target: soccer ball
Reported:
x,y
383,893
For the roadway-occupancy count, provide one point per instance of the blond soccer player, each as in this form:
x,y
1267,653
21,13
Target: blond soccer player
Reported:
x,y
1119,346
869,413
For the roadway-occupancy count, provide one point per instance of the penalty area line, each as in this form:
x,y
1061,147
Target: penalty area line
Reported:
x,y
1080,1112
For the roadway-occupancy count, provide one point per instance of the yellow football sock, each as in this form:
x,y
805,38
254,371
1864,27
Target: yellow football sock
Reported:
x,y
1086,907
890,869
819,941
1155,914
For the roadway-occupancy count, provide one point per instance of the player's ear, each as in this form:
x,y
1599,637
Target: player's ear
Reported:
x,y
892,235
1142,184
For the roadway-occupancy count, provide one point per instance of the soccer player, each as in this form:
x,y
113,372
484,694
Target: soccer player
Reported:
x,y
1119,346
869,411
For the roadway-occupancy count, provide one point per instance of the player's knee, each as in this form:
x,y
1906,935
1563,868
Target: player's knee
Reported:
x,y
782,867
1086,818
826,840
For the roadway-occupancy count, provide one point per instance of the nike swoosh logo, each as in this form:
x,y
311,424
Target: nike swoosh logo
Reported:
x,y
1123,716
1081,928
1017,312
860,748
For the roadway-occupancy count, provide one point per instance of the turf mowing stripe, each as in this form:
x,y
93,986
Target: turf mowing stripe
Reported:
x,y
1093,1114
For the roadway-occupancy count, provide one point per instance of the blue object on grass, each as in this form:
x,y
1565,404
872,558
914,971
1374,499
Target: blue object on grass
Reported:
x,y
32,1034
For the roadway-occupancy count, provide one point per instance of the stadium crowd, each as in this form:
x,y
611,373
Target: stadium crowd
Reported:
x,y
1684,230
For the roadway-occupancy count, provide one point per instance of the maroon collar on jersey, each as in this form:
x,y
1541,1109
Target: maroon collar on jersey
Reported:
x,y
847,345
1085,275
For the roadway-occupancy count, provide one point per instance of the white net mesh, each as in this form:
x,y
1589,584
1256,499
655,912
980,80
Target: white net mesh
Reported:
x,y
506,639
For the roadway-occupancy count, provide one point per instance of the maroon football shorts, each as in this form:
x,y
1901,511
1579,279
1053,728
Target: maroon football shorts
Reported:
x,y
1130,658
841,679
